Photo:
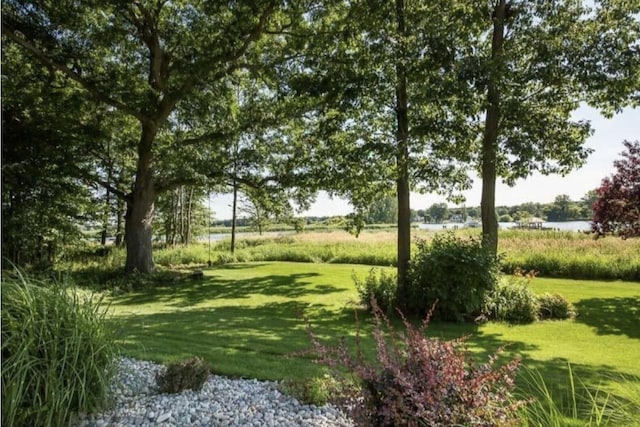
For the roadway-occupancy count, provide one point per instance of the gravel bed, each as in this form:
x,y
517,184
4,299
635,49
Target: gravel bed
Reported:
x,y
221,402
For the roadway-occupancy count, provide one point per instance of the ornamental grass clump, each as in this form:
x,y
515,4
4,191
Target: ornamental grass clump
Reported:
x,y
190,374
419,381
57,353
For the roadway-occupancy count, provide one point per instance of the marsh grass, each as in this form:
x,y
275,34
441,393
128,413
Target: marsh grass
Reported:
x,y
550,254
57,353
578,404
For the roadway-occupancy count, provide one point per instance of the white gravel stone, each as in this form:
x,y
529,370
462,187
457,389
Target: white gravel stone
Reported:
x,y
221,402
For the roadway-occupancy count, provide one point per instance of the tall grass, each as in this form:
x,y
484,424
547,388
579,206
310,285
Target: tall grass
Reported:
x,y
57,353
571,255
551,254
549,407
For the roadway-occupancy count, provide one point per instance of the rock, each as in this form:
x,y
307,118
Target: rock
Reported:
x,y
162,418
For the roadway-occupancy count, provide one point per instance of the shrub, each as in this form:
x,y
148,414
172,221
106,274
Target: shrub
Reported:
x,y
188,374
512,301
555,306
418,380
381,288
311,391
57,354
455,272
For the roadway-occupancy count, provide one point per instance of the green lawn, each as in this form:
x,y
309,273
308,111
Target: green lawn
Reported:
x,y
245,320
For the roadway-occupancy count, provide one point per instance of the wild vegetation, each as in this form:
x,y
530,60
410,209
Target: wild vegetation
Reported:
x,y
57,353
549,253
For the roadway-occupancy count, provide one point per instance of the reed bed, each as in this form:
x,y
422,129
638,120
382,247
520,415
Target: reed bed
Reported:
x,y
551,254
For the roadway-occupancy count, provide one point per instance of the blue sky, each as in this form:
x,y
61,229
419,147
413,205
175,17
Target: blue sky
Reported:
x,y
606,143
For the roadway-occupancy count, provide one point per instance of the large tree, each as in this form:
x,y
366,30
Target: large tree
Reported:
x,y
541,60
43,204
385,110
144,59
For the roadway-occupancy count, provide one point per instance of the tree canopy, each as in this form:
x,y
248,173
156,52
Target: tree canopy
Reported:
x,y
134,106
617,206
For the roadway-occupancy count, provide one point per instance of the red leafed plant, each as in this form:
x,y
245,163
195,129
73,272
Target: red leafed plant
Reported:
x,y
617,208
419,381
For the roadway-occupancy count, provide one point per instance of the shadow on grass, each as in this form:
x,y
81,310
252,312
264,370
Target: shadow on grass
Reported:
x,y
265,341
238,340
189,292
611,316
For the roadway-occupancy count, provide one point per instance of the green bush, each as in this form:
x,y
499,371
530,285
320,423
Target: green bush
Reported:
x,y
512,301
380,287
312,391
57,354
555,306
453,271
189,374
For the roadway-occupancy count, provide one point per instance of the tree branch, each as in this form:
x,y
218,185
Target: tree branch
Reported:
x,y
73,75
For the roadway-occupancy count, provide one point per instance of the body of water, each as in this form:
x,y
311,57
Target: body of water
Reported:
x,y
216,237
561,226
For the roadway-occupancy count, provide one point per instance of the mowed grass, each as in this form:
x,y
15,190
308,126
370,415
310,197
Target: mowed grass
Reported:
x,y
245,320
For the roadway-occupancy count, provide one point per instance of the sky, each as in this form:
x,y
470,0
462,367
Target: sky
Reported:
x,y
606,142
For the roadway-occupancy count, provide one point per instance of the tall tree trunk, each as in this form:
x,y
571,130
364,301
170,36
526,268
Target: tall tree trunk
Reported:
x,y
187,232
182,213
490,139
402,159
120,219
233,217
105,219
107,203
139,218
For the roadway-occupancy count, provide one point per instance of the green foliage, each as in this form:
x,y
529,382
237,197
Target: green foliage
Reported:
x,y
555,306
57,354
312,391
383,211
512,300
454,272
380,288
505,218
418,380
189,374
550,407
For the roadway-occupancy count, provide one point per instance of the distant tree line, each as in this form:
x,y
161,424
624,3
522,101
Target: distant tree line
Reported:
x,y
561,209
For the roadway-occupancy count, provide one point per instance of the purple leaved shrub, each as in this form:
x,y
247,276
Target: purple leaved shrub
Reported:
x,y
417,380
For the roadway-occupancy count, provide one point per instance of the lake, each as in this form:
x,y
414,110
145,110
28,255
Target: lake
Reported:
x,y
562,226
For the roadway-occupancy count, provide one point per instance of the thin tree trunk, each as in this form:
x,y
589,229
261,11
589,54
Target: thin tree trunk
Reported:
x,y
119,222
139,218
181,213
490,139
107,203
189,216
233,217
402,159
105,219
